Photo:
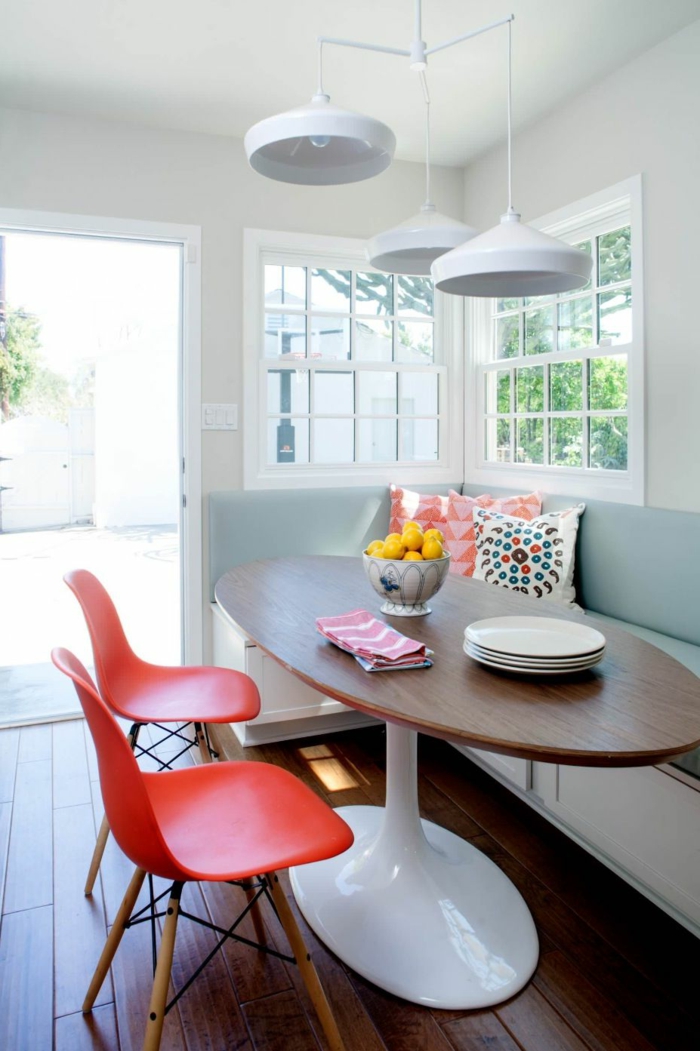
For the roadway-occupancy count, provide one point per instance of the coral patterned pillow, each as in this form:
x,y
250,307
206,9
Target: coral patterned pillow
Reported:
x,y
535,556
459,527
407,506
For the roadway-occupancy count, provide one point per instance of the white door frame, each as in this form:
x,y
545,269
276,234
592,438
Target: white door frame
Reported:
x,y
189,237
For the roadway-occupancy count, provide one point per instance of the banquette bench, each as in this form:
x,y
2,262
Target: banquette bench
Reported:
x,y
637,567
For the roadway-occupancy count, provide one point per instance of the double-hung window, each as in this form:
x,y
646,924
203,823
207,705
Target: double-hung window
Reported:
x,y
559,379
347,368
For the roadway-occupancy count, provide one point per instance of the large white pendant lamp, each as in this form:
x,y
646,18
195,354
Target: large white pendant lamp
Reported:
x,y
412,246
511,259
320,144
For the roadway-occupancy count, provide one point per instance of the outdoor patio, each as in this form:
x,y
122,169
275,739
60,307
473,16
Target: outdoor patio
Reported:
x,y
139,567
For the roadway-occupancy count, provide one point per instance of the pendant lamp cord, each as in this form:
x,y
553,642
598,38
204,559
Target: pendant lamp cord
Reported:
x,y
510,116
319,90
426,96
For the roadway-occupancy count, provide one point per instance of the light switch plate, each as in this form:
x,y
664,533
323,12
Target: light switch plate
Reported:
x,y
217,417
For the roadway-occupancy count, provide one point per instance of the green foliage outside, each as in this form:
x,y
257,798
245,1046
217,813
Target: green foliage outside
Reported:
x,y
532,328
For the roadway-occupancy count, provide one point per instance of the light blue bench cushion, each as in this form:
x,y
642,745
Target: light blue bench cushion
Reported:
x,y
640,564
246,525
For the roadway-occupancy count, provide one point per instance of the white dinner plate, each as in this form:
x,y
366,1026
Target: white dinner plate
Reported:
x,y
528,669
542,662
535,637
516,664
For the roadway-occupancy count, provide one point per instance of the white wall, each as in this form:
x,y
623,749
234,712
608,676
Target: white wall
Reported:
x,y
644,118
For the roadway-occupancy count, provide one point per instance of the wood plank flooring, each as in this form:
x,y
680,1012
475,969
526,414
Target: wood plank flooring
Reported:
x,y
615,974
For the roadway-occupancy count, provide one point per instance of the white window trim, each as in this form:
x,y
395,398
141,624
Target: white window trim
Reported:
x,y
619,203
337,252
190,372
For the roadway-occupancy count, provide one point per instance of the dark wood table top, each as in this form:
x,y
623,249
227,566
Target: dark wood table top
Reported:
x,y
638,707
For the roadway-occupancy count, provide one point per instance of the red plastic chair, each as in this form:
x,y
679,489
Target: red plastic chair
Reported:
x,y
224,822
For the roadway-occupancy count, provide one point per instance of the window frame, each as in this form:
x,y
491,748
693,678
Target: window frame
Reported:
x,y
592,216
342,253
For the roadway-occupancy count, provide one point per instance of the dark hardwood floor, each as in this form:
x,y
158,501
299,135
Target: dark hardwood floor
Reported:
x,y
615,973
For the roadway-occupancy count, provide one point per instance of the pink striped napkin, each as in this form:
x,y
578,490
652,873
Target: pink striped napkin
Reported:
x,y
371,640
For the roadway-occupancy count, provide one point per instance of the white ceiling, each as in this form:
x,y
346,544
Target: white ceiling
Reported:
x,y
220,65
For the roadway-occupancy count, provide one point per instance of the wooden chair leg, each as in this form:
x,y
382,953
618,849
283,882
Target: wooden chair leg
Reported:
x,y
114,938
202,742
214,739
161,980
102,837
257,917
305,964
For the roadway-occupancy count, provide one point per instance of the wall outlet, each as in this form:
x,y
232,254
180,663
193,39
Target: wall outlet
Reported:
x,y
219,417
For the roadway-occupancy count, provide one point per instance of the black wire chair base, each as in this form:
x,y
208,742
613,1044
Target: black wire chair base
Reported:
x,y
148,914
179,732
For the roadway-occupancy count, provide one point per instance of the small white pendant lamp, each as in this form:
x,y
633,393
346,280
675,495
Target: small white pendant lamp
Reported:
x,y
412,246
511,259
319,144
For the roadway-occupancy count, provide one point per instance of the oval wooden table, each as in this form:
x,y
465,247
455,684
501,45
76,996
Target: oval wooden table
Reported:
x,y
412,907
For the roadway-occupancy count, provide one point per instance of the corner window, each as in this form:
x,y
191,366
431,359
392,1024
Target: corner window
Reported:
x,y
560,378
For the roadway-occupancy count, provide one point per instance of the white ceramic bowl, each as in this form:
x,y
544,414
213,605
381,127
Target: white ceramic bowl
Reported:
x,y
406,586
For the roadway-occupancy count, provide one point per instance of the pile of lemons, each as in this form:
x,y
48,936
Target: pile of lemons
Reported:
x,y
412,545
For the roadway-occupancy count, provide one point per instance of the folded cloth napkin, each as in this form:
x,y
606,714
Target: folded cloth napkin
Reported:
x,y
374,644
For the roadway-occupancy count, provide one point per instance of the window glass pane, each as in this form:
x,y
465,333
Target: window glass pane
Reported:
x,y
565,387
419,440
615,316
333,392
285,335
330,337
539,330
607,382
529,389
285,284
508,337
614,257
330,290
288,390
414,342
373,341
608,442
506,304
376,441
587,247
419,394
376,393
374,293
415,295
529,444
566,440
498,441
575,324
334,441
497,393
287,441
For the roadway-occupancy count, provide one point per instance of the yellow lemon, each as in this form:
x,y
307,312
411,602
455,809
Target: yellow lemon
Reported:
x,y
432,549
413,556
413,525
393,549
374,547
435,534
412,539
392,536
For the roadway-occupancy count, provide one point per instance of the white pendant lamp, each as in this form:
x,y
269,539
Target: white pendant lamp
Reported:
x,y
511,259
319,144
412,246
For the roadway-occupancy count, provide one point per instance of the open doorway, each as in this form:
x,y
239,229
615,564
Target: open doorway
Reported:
x,y
90,451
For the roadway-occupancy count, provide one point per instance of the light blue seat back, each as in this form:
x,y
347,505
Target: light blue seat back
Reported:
x,y
247,525
638,564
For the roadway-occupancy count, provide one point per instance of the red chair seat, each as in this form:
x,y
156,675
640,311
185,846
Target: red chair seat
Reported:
x,y
234,820
147,693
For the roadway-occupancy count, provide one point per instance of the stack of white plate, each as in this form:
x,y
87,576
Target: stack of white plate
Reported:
x,y
534,645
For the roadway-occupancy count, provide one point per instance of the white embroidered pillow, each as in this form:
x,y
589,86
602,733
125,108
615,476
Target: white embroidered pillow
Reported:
x,y
535,557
